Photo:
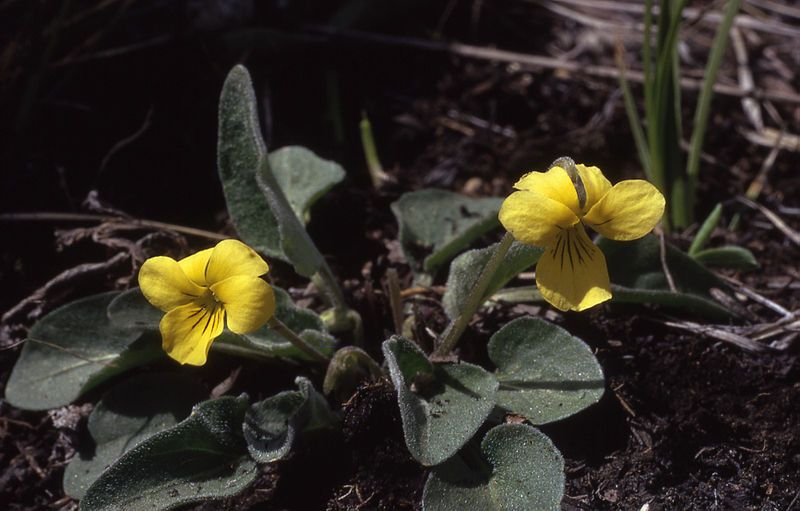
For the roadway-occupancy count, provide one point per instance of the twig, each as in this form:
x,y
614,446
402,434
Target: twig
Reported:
x,y
716,333
134,222
766,302
63,278
790,233
746,82
664,266
127,140
535,61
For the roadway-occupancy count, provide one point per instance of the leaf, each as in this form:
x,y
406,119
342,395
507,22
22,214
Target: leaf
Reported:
x,y
348,367
204,457
73,349
435,225
258,207
441,405
729,256
131,310
271,425
466,268
303,177
704,233
636,270
518,468
545,373
127,415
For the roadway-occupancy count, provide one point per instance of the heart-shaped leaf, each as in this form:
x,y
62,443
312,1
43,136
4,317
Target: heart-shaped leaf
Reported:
x,y
204,457
435,225
128,414
73,349
260,210
517,469
131,310
545,373
737,258
441,405
466,268
271,425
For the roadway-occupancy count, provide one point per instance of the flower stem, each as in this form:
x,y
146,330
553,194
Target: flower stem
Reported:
x,y
456,327
296,340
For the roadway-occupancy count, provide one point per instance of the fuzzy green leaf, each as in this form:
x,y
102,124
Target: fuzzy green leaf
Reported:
x,y
303,177
738,258
269,426
466,268
441,405
204,457
545,373
435,225
517,469
128,414
261,211
73,349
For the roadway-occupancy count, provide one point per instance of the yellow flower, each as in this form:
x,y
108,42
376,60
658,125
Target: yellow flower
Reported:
x,y
550,210
202,292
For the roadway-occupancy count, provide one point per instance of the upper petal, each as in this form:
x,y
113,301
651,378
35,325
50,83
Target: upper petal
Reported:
x,y
572,274
194,266
628,211
595,184
535,219
165,285
249,302
554,184
232,257
187,332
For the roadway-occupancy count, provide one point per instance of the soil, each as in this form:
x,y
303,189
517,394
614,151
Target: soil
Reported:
x,y
686,422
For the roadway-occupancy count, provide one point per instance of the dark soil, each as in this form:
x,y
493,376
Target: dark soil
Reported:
x,y
686,422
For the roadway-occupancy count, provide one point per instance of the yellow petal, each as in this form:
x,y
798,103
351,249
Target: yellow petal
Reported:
x,y
595,184
187,332
535,219
249,302
554,184
628,211
194,266
572,274
165,285
232,257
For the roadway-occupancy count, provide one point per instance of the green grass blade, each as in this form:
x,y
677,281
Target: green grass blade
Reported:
x,y
704,233
633,118
707,91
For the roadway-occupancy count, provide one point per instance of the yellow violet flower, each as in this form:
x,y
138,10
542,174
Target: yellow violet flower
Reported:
x,y
202,292
550,210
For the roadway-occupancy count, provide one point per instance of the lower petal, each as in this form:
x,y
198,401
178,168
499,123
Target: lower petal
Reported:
x,y
187,332
249,302
572,274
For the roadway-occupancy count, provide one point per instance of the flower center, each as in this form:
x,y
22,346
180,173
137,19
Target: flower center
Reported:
x,y
208,301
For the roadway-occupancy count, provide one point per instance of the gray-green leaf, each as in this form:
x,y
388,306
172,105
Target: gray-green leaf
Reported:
x,y
545,373
466,268
517,469
73,349
260,210
204,457
271,425
128,414
441,405
303,177
737,258
435,225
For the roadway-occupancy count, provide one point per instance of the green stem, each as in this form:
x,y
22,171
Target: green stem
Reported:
x,y
476,298
288,334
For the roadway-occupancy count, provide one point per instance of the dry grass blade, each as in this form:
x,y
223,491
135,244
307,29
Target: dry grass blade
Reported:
x,y
777,221
718,332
